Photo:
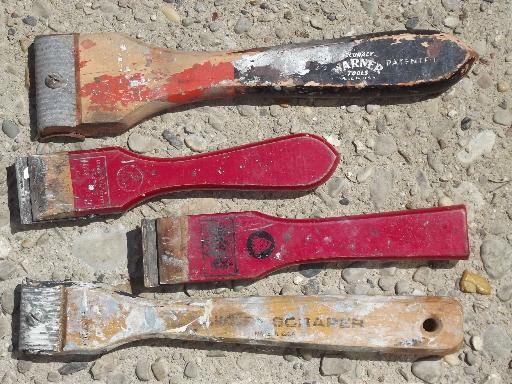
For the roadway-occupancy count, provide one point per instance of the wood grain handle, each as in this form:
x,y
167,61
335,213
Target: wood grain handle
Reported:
x,y
422,325
247,245
121,81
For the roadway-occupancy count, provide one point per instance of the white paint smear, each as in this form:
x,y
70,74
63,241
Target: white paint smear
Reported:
x,y
293,61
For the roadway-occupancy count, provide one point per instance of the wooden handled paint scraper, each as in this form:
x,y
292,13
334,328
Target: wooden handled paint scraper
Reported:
x,y
103,83
111,180
246,245
83,319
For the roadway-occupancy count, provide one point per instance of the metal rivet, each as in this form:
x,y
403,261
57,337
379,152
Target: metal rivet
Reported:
x,y
55,80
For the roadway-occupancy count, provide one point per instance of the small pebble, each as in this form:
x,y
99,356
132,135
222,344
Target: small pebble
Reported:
x,y
191,370
196,143
103,366
160,368
10,129
451,22
243,24
72,367
143,370
496,255
54,377
8,270
472,283
505,292
503,86
117,378
170,13
385,145
316,22
484,81
429,369
387,283
334,365
465,124
502,117
30,20
140,143
172,139
7,301
497,342
5,326
402,287
412,23
452,359
24,366
422,275
477,343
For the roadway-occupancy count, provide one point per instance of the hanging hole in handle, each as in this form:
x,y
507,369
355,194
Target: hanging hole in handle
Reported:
x,y
431,325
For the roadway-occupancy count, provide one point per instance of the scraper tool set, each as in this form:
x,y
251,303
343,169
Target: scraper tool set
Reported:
x,y
104,83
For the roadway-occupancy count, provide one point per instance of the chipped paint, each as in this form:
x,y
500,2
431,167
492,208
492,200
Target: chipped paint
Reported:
x,y
98,319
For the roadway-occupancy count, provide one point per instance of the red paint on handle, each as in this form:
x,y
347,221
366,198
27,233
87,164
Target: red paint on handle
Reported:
x,y
114,179
244,245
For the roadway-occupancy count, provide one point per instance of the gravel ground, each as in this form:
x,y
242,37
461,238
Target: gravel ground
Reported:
x,y
452,149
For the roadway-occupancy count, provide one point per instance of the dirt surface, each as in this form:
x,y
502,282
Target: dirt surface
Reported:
x,y
394,157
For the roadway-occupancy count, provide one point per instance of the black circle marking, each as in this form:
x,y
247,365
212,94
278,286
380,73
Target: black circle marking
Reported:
x,y
264,253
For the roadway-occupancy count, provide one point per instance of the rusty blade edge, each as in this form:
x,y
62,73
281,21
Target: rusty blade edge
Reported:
x,y
149,253
23,185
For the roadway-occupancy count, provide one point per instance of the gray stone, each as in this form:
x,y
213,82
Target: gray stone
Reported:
x,y
8,270
7,301
5,326
353,274
160,368
245,361
403,287
484,81
505,292
215,353
246,110
429,369
370,6
312,287
467,193
472,358
24,366
451,5
10,128
143,370
172,139
497,342
117,378
422,275
54,377
335,186
386,283
496,256
364,174
243,24
103,250
381,187
333,365
317,22
41,8
451,22
72,367
434,162
196,143
29,20
141,143
477,343
216,122
103,366
481,144
502,117
385,145
191,370
412,22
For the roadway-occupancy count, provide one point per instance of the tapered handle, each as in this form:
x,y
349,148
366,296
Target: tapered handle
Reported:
x,y
244,245
104,83
114,179
423,325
